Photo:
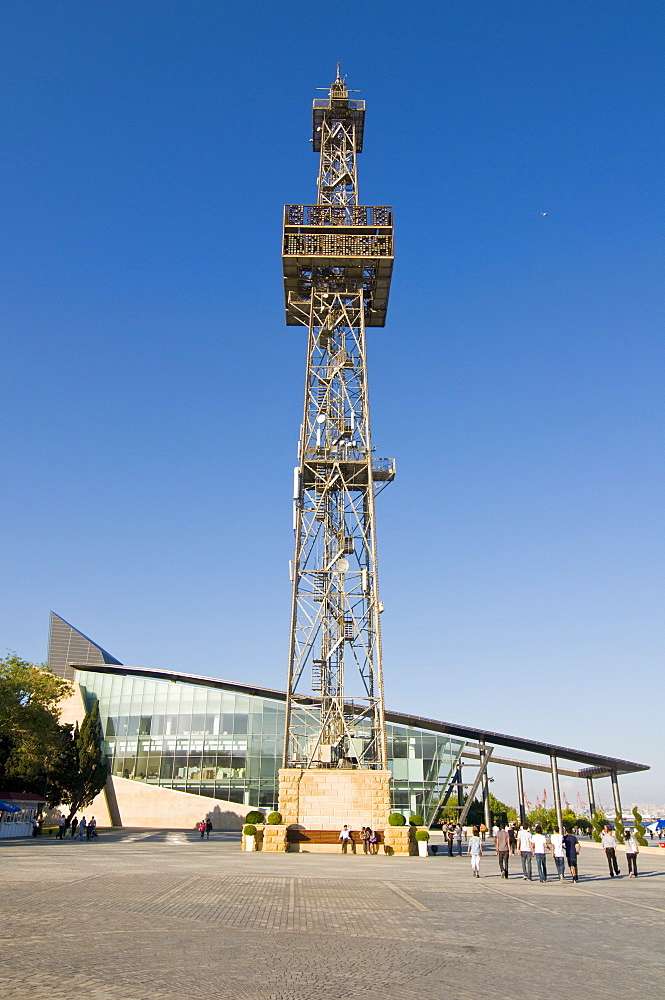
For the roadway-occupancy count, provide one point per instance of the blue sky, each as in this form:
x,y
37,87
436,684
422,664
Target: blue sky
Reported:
x,y
152,393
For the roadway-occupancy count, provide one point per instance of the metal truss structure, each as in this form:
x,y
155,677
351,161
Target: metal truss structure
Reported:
x,y
338,260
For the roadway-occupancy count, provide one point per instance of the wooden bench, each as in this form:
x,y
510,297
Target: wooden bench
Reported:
x,y
305,837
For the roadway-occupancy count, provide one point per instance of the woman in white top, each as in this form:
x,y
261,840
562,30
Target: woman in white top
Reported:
x,y
632,850
475,850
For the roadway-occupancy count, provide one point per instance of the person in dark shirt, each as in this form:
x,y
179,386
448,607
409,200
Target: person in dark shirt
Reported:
x,y
572,848
502,848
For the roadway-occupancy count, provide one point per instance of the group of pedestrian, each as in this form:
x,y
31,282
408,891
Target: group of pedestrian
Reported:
x,y
453,834
609,843
368,836
204,828
78,829
563,848
370,840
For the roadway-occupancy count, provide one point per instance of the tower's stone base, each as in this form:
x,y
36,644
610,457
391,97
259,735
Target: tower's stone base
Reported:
x,y
328,798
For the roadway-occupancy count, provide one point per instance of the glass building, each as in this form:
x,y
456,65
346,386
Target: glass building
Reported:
x,y
168,733
212,738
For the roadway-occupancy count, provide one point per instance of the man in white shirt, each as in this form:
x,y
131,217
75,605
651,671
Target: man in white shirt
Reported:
x,y
609,842
524,845
558,852
345,837
540,848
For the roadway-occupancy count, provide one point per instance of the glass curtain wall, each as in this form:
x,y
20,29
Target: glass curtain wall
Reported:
x,y
228,746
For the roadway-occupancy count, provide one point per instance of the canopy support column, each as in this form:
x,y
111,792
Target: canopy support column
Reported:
x,y
486,789
615,793
592,801
557,792
520,796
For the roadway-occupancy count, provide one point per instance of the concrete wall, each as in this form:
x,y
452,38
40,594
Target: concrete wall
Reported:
x,y
136,803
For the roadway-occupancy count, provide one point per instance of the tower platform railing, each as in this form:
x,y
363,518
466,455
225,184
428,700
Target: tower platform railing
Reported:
x,y
338,215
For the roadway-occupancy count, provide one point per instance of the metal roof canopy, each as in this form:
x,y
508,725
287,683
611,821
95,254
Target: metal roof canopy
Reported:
x,y
598,766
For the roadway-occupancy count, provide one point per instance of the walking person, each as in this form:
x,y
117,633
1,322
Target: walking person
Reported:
x,y
202,829
92,828
208,828
632,850
525,847
572,848
458,840
558,853
610,844
502,848
475,851
345,838
82,826
61,828
450,837
512,836
74,824
540,848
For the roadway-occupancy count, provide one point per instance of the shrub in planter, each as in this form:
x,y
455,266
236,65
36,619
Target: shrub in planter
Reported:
x,y
416,820
422,835
249,829
274,819
255,817
396,819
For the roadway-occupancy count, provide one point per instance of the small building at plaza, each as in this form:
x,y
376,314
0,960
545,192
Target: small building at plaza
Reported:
x,y
18,813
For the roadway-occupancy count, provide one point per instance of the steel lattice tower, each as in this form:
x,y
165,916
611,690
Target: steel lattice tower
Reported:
x,y
338,258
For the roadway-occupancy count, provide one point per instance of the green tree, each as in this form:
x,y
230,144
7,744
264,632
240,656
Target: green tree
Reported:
x,y
30,732
569,819
81,770
597,822
545,817
640,830
502,813
476,813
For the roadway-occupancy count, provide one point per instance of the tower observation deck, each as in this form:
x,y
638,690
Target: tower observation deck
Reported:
x,y
338,258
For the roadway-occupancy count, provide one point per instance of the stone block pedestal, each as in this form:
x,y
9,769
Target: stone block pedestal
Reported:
x,y
329,798
274,838
399,840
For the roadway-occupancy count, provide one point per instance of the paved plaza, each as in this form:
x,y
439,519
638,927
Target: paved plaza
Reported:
x,y
142,916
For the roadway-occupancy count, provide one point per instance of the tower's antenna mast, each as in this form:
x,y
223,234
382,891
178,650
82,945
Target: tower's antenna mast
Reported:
x,y
338,260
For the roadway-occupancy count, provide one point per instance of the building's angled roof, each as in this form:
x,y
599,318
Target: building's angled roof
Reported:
x,y
597,765
67,644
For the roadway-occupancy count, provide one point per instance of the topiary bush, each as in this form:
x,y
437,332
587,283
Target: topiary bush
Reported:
x,y
396,819
274,819
249,830
416,820
422,835
254,816
640,830
619,828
